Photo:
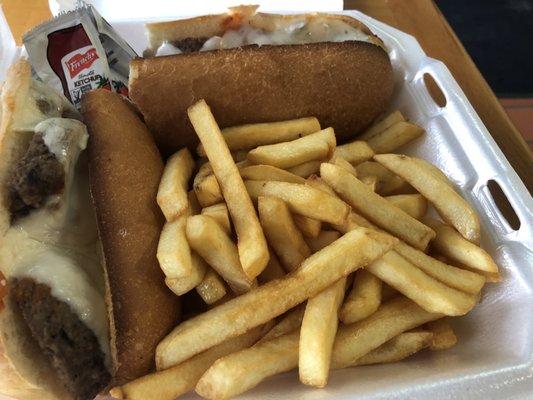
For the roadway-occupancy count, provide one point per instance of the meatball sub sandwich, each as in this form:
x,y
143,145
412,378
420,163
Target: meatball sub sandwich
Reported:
x,y
75,318
257,67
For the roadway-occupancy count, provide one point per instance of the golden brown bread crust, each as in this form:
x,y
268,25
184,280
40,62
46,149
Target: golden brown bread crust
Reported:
x,y
345,85
207,26
125,168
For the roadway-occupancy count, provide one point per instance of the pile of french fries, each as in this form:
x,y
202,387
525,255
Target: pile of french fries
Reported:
x,y
309,255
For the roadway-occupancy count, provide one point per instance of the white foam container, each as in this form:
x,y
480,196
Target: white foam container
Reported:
x,y
494,356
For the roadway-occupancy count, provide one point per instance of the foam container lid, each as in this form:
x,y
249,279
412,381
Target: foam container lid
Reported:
x,y
494,356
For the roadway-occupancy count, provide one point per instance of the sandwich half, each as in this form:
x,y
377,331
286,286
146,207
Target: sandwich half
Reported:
x,y
257,67
72,321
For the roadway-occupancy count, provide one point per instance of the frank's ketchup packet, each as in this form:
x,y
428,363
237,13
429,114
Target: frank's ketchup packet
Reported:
x,y
78,51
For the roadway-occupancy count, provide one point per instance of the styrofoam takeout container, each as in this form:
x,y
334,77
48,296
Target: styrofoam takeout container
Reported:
x,y
494,356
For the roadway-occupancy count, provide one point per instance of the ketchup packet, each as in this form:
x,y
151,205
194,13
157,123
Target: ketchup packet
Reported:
x,y
78,51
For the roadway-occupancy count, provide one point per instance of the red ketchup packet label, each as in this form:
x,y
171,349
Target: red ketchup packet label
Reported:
x,y
78,51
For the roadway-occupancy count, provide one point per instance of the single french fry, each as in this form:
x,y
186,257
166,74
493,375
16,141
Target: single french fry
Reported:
x,y
172,191
317,334
364,298
427,292
461,279
281,232
289,323
415,205
303,200
387,182
252,246
272,271
353,221
448,203
350,252
355,152
245,369
315,146
210,241
182,285
443,335
207,191
212,287
323,239
219,212
178,380
246,137
306,169
375,207
398,348
382,125
173,251
437,173
393,318
269,173
394,137
451,244
341,162
309,227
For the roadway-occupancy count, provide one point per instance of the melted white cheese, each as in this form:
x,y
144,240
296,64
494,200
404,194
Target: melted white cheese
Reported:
x,y
297,32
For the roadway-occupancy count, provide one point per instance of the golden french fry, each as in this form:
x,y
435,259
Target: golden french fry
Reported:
x,y
448,203
415,205
427,292
178,380
172,191
355,152
269,173
451,244
375,207
303,200
253,250
219,212
182,285
207,191
364,298
394,137
272,271
437,173
281,232
289,323
315,146
443,334
323,239
214,245
173,252
391,319
306,169
398,348
387,182
350,252
461,279
245,369
382,125
212,287
308,226
246,137
317,334
341,162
